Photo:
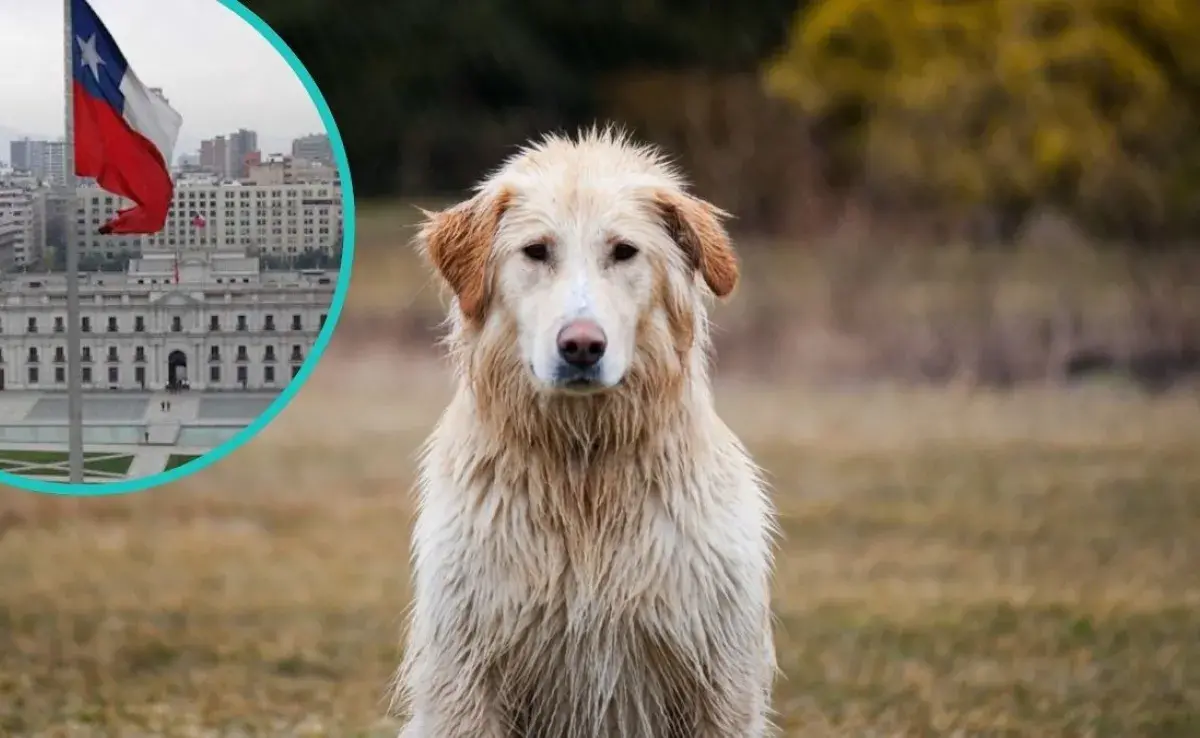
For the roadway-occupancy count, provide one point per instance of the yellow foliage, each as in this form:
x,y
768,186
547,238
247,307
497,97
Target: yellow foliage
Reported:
x,y
978,98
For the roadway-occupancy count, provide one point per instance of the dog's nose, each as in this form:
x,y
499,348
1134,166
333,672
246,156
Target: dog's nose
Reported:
x,y
581,343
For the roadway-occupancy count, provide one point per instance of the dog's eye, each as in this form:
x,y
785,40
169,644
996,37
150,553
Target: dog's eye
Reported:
x,y
624,252
536,252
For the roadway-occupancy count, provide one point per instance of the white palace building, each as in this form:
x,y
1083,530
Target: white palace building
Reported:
x,y
205,320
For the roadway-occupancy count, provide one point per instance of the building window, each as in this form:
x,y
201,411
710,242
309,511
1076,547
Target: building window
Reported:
x,y
297,324
33,355
295,370
214,353
269,374
139,324
241,322
87,375
86,324
297,353
176,324
58,324
241,354
321,323
241,375
269,323
60,374
112,325
269,353
114,374
60,354
214,373
85,354
32,326
112,353
33,375
139,353
139,375
214,322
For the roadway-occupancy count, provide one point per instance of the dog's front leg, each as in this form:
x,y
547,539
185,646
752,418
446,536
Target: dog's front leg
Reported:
x,y
445,683
454,708
738,701
742,713
746,719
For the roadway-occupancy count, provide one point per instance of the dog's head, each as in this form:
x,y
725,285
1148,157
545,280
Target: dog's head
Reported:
x,y
584,261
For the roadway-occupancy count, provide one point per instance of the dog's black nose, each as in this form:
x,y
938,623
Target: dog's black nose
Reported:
x,y
581,343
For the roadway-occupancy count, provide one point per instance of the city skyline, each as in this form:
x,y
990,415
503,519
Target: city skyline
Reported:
x,y
216,70
283,147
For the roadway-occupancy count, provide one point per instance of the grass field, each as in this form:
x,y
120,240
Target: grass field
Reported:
x,y
175,461
953,564
18,461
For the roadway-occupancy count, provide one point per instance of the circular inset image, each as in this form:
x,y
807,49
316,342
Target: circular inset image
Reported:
x,y
176,236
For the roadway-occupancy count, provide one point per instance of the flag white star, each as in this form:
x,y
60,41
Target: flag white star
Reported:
x,y
91,57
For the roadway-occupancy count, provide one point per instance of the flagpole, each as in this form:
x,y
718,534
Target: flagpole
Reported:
x,y
74,365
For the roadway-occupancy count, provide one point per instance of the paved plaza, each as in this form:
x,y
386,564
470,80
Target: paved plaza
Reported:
x,y
158,430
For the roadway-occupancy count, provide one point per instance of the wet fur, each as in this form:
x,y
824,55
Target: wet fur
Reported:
x,y
597,565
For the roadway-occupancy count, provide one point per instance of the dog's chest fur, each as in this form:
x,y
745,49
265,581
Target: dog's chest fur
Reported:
x,y
606,592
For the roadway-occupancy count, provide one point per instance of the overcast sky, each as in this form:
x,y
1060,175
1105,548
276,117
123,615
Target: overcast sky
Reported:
x,y
215,69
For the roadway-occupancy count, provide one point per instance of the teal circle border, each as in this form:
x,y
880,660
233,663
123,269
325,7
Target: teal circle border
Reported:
x,y
103,489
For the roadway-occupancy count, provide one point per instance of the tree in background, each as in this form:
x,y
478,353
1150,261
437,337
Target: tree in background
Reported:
x,y
1091,105
429,94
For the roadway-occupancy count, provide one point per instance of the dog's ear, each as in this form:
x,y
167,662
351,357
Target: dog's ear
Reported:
x,y
697,227
458,242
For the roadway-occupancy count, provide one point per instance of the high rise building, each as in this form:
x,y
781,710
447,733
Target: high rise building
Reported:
x,y
208,155
54,163
315,147
11,234
45,160
243,145
21,155
221,157
24,210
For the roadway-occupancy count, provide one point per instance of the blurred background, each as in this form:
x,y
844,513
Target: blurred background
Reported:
x,y
965,350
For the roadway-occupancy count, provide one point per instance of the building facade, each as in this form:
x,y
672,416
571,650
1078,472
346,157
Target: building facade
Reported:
x,y
315,147
280,170
45,160
208,156
54,164
221,324
207,214
24,208
243,148
10,234
20,156
229,157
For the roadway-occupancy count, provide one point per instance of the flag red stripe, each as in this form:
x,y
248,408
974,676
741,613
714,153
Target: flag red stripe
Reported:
x,y
122,161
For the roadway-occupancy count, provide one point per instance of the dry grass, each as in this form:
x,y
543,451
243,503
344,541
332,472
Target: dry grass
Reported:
x,y
953,564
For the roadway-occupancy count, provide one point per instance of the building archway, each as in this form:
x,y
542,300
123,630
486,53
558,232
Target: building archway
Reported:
x,y
176,370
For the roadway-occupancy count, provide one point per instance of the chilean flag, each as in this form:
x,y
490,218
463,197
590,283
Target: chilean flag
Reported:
x,y
124,133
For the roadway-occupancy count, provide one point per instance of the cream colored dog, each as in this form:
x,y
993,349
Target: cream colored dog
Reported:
x,y
593,548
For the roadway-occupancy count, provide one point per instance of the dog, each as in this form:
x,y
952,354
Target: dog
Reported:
x,y
593,546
